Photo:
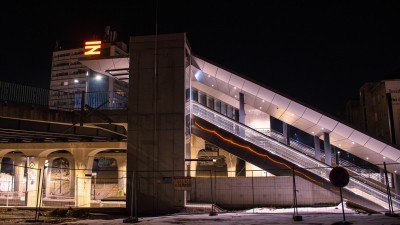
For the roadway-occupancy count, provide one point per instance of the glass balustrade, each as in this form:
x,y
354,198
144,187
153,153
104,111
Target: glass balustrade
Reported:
x,y
302,158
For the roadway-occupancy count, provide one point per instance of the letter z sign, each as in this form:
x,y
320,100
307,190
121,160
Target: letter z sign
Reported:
x,y
92,47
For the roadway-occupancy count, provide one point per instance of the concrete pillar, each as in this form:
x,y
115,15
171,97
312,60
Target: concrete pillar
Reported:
x,y
48,183
19,176
317,147
196,144
121,162
242,114
34,180
83,182
328,150
156,139
286,129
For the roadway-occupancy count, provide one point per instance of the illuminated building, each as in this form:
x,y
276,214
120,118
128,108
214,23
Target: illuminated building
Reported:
x,y
70,74
378,110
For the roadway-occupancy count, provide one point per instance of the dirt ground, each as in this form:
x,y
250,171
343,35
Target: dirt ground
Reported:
x,y
53,216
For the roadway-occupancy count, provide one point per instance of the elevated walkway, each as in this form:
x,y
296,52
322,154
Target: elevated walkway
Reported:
x,y
278,158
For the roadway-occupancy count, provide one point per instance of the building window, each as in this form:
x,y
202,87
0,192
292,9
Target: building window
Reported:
x,y
64,83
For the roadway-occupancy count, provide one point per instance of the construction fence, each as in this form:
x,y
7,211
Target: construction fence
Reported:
x,y
255,189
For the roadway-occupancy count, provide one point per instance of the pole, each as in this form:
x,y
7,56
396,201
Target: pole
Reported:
x,y
390,213
26,180
212,213
132,219
38,197
252,186
296,216
341,199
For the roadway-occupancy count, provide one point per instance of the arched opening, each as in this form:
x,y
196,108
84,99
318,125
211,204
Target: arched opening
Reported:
x,y
109,178
13,177
59,179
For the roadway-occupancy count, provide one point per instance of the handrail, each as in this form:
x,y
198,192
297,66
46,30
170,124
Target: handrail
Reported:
x,y
362,172
368,188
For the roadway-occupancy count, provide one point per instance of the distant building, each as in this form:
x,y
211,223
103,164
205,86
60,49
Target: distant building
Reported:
x,y
378,110
71,75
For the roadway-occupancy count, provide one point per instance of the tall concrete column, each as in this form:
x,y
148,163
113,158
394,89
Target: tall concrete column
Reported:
x,y
83,181
317,147
34,181
19,176
327,149
83,176
48,182
156,120
121,162
286,130
242,113
240,163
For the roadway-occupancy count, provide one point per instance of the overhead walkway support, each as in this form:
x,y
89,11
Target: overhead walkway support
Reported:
x,y
270,154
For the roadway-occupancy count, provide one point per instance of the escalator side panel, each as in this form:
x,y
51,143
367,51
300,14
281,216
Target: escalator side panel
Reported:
x,y
266,160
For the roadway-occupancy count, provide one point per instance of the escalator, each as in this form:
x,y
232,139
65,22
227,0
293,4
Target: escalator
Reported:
x,y
269,154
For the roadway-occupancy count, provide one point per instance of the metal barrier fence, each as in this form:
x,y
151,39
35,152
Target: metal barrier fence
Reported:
x,y
215,189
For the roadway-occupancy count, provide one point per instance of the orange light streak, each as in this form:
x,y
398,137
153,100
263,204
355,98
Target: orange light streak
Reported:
x,y
252,150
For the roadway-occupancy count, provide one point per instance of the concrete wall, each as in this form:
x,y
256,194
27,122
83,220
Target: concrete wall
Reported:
x,y
156,118
247,192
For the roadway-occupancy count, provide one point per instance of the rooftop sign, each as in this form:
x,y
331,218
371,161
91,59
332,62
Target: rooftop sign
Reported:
x,y
92,48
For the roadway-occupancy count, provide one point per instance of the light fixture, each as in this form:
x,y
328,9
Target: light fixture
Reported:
x,y
395,171
260,107
367,158
262,100
234,88
212,85
235,96
98,77
352,142
312,132
322,128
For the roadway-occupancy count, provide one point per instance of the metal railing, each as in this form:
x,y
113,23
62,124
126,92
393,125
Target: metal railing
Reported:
x,y
310,151
60,100
359,186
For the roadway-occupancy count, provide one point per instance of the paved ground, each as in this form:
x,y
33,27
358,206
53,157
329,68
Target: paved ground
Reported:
x,y
200,216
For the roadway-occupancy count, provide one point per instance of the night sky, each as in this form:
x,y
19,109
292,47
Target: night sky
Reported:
x,y
317,53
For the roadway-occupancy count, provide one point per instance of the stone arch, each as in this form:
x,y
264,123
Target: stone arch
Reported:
x,y
59,179
109,180
13,174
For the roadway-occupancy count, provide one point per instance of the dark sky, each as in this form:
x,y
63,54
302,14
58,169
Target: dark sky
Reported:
x,y
318,53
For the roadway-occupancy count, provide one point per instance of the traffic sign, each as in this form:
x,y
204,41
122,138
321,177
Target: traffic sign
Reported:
x,y
339,176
